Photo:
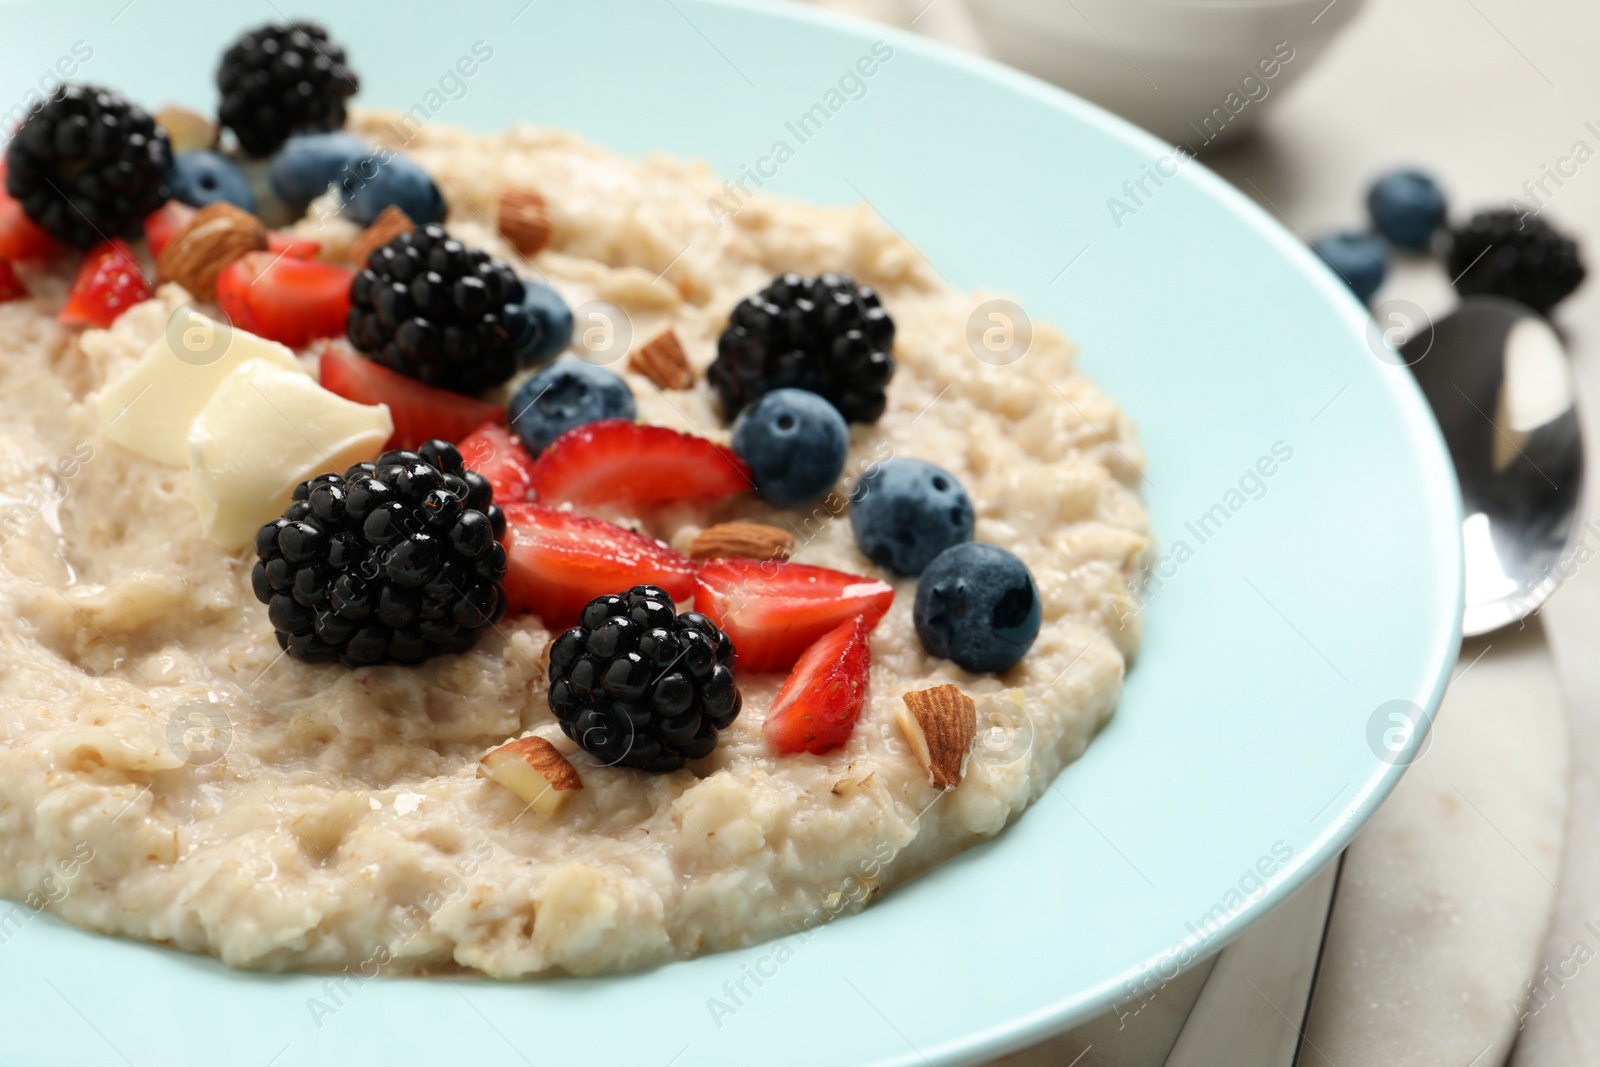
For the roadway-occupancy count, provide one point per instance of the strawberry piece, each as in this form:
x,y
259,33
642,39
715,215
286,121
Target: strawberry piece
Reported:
x,y
11,287
618,461
420,412
774,610
493,452
284,299
164,223
821,700
287,244
20,238
561,560
108,283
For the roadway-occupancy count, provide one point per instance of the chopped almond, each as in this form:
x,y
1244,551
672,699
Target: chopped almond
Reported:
x,y
188,131
940,724
742,540
523,220
663,362
218,235
532,768
390,223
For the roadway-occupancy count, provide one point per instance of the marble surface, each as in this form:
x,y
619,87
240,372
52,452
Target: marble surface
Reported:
x,y
1447,894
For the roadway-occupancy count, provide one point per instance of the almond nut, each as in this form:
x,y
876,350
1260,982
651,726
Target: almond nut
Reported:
x,y
390,223
188,130
532,768
523,221
218,234
663,362
742,540
940,724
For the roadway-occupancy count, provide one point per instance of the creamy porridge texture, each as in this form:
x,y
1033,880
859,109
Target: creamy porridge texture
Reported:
x,y
282,815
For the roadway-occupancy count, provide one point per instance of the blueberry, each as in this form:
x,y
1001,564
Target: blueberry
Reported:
x,y
1359,258
567,394
1407,206
306,165
795,443
904,512
200,178
547,324
374,184
977,605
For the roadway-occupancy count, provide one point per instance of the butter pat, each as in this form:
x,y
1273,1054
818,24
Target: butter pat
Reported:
x,y
266,429
149,409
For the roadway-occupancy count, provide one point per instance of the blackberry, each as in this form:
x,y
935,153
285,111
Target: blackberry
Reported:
x,y
279,80
827,335
433,308
638,685
1504,253
87,165
392,561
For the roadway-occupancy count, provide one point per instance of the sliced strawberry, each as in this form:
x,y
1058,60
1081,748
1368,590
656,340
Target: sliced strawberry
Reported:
x,y
108,283
420,412
287,244
618,461
20,238
561,560
164,223
493,452
775,610
822,698
11,287
284,299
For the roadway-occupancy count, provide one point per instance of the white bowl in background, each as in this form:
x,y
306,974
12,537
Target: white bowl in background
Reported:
x,y
1192,72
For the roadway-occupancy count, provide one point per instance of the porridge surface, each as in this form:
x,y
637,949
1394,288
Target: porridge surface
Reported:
x,y
344,823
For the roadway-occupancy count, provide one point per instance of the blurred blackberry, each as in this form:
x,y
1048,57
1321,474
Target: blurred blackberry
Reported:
x,y
638,685
827,335
1505,253
430,307
393,561
280,80
87,165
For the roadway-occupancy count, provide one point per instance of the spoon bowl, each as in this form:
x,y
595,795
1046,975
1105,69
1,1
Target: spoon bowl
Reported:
x,y
1496,376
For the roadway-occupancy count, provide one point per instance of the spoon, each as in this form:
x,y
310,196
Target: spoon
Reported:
x,y
1496,376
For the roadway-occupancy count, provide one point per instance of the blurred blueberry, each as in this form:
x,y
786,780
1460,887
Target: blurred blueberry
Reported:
x,y
371,185
202,177
904,512
1360,258
977,605
547,329
795,443
307,164
1407,206
565,394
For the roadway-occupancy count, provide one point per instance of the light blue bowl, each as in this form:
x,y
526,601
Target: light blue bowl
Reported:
x,y
1249,745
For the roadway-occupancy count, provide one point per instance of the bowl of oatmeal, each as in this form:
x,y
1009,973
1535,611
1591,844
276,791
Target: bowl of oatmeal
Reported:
x,y
1197,497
